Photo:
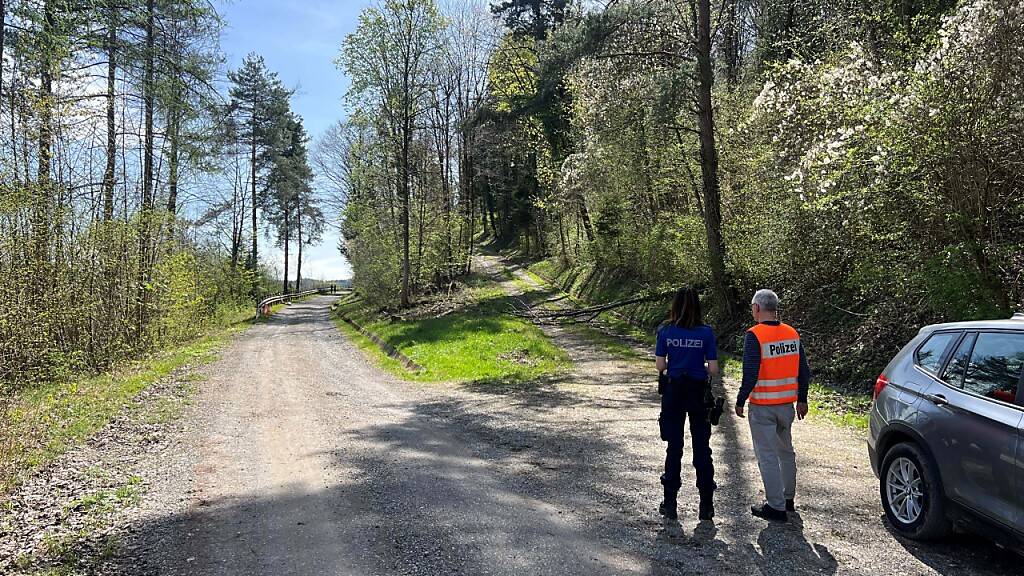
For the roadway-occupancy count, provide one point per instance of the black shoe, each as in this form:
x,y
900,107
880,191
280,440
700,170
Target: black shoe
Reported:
x,y
668,510
707,506
768,513
790,505
668,506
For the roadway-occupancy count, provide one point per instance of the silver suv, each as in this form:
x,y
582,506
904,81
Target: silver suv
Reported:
x,y
947,432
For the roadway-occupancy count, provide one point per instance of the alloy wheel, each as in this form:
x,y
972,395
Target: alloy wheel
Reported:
x,y
904,490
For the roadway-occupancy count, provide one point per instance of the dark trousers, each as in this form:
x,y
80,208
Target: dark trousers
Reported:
x,y
684,398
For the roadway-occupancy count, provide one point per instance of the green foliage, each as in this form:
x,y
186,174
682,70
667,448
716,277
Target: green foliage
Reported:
x,y
375,257
86,313
866,163
478,342
899,183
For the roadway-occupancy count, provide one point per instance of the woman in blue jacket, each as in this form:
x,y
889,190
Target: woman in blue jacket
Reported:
x,y
687,354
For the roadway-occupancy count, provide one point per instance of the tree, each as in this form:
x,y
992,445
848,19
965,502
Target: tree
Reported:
x,y
710,184
533,18
258,103
104,112
288,191
110,46
388,58
309,218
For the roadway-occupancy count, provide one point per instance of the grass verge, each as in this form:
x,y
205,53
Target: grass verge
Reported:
x,y
44,421
842,409
824,403
480,341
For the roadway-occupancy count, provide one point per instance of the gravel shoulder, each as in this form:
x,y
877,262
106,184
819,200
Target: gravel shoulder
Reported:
x,y
298,456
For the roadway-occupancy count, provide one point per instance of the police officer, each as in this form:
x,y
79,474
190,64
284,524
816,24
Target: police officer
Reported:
x,y
684,344
775,376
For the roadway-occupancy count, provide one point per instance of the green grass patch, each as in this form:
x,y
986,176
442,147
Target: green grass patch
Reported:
x,y
44,421
731,366
849,410
480,341
824,402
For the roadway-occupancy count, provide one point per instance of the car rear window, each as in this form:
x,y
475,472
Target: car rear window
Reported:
x,y
929,355
995,367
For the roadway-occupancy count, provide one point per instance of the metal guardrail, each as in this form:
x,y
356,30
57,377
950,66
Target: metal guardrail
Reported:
x,y
263,308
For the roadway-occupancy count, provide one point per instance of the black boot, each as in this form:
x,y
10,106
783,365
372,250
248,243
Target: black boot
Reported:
x,y
707,505
768,513
668,506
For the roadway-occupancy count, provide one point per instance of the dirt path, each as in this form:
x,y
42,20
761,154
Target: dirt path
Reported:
x,y
299,457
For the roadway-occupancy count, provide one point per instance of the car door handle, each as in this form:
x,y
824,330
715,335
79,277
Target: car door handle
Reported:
x,y
938,399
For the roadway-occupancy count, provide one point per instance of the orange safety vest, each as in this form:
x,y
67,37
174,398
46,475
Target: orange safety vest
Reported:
x,y
780,365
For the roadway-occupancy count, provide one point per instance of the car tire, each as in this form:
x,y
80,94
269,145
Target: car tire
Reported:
x,y
912,494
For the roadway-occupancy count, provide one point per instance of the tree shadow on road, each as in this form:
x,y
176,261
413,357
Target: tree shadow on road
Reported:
x,y
537,392
448,485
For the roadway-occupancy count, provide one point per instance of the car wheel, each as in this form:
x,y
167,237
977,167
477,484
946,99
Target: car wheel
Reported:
x,y
912,493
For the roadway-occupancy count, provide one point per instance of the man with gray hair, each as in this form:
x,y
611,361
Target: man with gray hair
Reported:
x,y
775,376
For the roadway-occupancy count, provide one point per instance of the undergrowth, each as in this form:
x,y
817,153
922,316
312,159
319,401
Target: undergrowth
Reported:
x,y
38,424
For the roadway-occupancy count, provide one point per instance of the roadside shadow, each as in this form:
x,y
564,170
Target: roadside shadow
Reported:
x,y
785,550
700,551
971,550
439,490
538,392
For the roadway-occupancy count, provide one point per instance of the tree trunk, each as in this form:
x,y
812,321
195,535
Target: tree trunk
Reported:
x,y
253,259
12,101
471,195
287,233
787,34
298,230
237,225
174,136
147,163
422,200
732,44
709,163
41,216
149,102
489,200
446,191
404,199
3,36
561,236
588,227
108,173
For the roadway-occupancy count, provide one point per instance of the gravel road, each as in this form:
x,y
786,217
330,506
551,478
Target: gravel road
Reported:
x,y
299,456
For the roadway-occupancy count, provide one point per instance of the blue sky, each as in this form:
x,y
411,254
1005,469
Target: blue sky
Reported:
x,y
299,40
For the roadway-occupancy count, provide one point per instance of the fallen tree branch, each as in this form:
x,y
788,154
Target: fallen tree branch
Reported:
x,y
544,316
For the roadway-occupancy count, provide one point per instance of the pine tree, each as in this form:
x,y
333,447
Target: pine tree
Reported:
x,y
258,103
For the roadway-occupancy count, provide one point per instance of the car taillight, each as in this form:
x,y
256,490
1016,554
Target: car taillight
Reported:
x,y
879,386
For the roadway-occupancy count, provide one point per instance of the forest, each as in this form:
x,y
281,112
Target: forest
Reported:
x,y
137,174
861,158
